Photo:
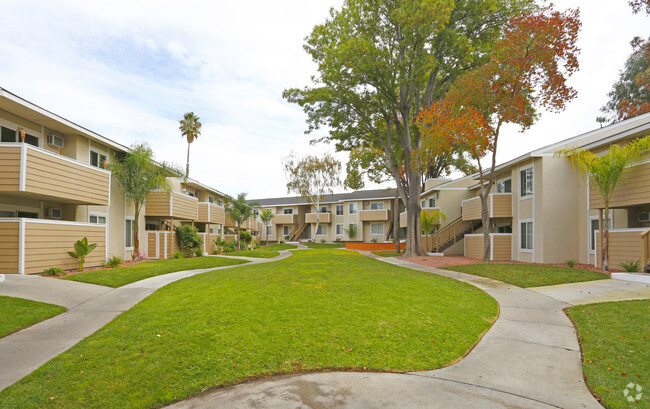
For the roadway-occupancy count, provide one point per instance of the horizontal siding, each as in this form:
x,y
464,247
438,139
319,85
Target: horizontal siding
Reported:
x,y
151,244
474,247
217,214
204,213
284,219
322,218
47,245
623,246
502,248
502,205
157,204
632,189
472,209
50,176
183,206
374,215
9,169
9,247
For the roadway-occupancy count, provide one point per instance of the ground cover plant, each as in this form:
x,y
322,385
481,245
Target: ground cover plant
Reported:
x,y
529,275
325,245
117,277
18,313
316,310
387,253
614,342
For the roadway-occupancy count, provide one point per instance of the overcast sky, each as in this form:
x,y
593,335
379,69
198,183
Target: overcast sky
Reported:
x,y
130,69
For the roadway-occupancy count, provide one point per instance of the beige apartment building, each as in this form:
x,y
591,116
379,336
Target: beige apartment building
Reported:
x,y
369,212
55,189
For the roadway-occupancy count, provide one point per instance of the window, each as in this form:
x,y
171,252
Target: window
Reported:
x,y
31,139
377,206
527,182
220,202
353,208
130,233
11,135
504,186
210,199
211,230
339,210
377,228
423,203
323,209
339,229
287,230
269,230
97,219
97,159
526,234
322,230
504,229
7,213
432,202
288,211
151,226
28,215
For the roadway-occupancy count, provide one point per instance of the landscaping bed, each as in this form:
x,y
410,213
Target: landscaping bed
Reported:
x,y
322,310
18,313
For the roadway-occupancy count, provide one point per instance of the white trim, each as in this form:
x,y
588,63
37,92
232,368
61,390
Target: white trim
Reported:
x,y
531,250
132,218
21,246
634,229
23,167
56,155
491,234
532,195
171,208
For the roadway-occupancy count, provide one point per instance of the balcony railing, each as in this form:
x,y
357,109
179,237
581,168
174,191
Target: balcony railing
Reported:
x,y
32,170
380,215
172,204
633,189
285,219
499,205
211,213
322,218
29,246
500,246
403,217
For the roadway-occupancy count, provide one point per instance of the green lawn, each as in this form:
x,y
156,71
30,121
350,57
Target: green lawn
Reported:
x,y
316,310
387,253
281,246
529,275
615,345
325,245
117,277
263,252
18,313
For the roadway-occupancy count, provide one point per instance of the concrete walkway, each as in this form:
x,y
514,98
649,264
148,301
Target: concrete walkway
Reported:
x,y
530,358
90,307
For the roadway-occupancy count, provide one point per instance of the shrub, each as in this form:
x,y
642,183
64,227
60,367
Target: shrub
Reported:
x,y
338,240
254,244
215,251
373,240
198,252
113,261
322,241
219,242
351,231
631,266
188,239
178,254
81,250
52,272
571,263
245,237
229,247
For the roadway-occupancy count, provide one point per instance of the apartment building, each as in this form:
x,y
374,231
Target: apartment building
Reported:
x,y
55,189
368,213
542,210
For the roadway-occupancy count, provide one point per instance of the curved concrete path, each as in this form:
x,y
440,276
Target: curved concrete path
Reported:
x,y
530,358
90,307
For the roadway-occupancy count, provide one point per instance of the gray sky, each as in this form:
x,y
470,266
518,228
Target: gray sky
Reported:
x,y
130,69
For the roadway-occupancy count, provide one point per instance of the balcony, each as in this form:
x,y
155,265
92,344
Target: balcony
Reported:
x,y
172,204
322,217
403,217
381,215
500,246
37,172
285,219
29,246
632,189
499,205
211,213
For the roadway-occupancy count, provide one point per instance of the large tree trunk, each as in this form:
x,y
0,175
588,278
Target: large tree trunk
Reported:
x,y
396,222
136,233
605,255
187,167
485,219
237,237
413,237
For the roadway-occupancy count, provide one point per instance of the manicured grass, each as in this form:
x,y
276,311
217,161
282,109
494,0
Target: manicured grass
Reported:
x,y
325,245
614,341
263,252
117,277
277,247
316,310
18,313
529,275
387,253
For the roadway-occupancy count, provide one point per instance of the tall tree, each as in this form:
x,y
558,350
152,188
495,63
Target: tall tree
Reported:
x,y
239,211
312,177
138,175
266,215
190,128
630,95
639,5
380,61
527,71
605,172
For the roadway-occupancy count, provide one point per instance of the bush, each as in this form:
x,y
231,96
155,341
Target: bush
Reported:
x,y
198,252
81,249
229,247
215,251
52,272
322,241
338,240
188,239
631,266
219,242
373,240
254,244
571,263
178,254
113,261
245,237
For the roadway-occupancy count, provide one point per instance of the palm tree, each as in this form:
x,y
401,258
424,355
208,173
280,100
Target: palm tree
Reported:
x,y
190,128
239,211
605,172
428,222
266,215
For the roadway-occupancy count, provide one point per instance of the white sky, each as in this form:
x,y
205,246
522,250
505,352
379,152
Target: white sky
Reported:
x,y
130,69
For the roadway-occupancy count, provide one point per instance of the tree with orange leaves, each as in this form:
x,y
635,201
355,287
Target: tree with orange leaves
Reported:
x,y
527,71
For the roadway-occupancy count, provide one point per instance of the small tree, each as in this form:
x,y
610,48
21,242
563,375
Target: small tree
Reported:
x,y
138,175
351,231
312,177
266,216
81,250
428,222
190,128
605,172
188,239
239,211
245,237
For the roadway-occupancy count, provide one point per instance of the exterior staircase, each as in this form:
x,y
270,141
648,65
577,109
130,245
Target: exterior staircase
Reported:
x,y
295,233
451,234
